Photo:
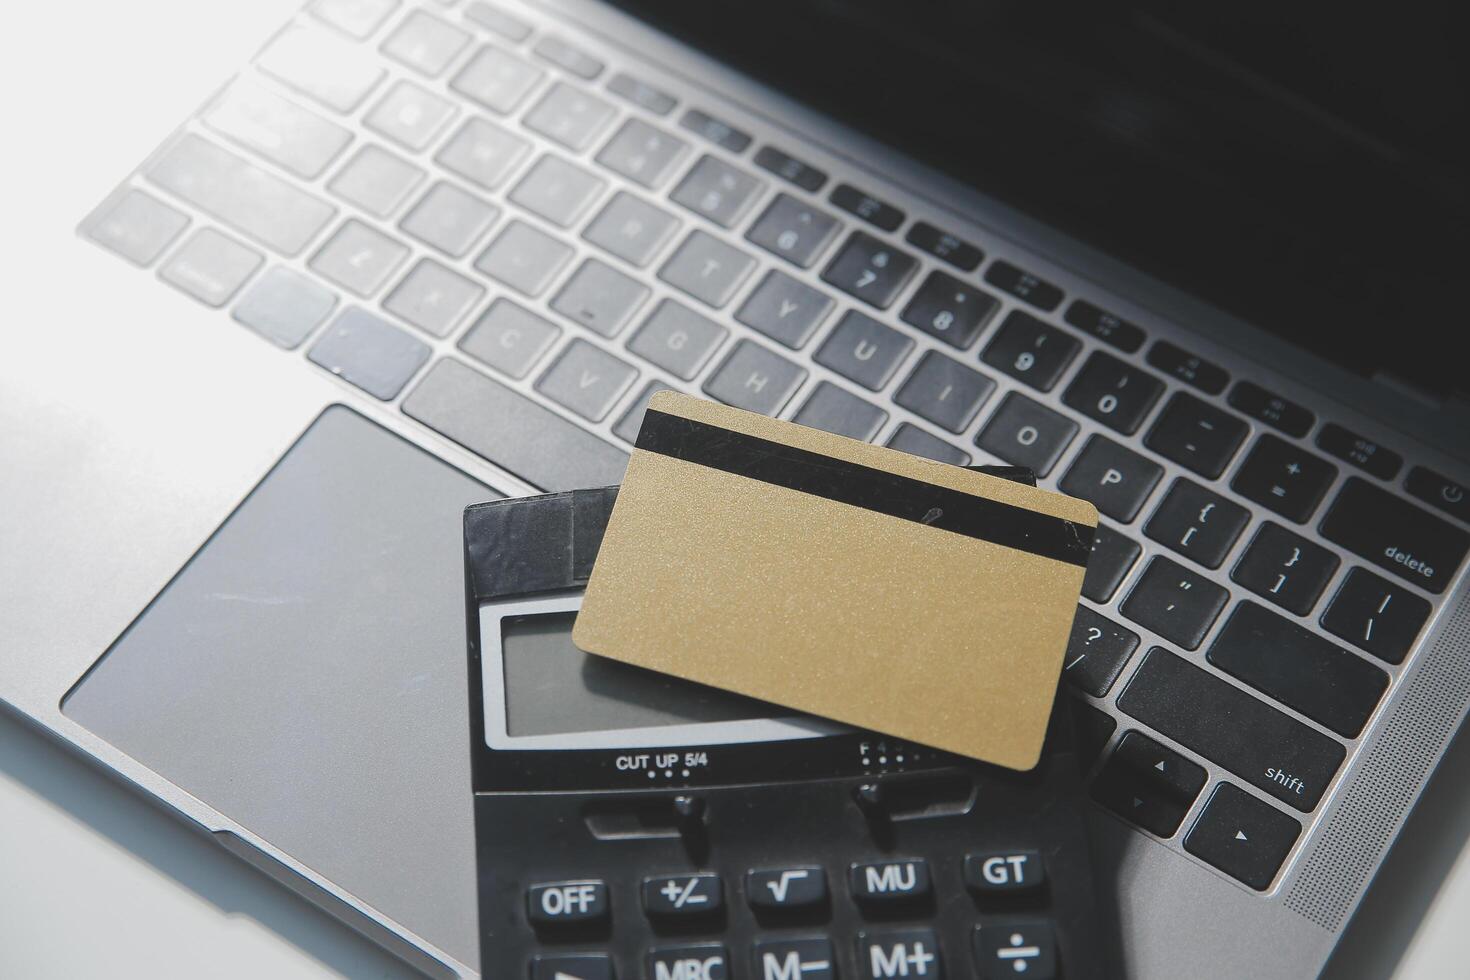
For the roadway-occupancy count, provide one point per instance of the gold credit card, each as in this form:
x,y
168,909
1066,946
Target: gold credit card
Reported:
x,y
912,598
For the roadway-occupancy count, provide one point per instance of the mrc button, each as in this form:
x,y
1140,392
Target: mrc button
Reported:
x,y
701,962
553,903
1004,871
890,881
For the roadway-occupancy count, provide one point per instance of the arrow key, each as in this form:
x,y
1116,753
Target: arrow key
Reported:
x,y
1149,784
572,966
1242,836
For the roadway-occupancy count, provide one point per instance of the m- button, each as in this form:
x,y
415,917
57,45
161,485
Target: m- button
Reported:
x,y
566,902
1004,871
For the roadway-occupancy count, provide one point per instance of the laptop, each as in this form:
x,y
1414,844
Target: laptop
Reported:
x,y
414,256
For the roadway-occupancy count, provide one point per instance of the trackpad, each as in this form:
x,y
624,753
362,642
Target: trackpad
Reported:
x,y
304,674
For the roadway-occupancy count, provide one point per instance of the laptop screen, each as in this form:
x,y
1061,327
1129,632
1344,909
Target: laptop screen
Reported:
x,y
1301,168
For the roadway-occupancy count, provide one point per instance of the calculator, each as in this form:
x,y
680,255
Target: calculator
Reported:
x,y
633,825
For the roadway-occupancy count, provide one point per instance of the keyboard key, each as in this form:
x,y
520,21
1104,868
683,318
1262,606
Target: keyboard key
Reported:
x,y
587,380
1149,784
899,953
1197,522
716,131
279,130
632,420
1278,475
409,115
600,298
704,960
359,18
284,307
792,230
482,153
1242,836
433,298
258,204
492,18
914,440
1115,479
1093,728
867,207
1112,557
1097,652
871,270
321,67
717,190
512,431
1438,491
1261,745
677,339
1196,435
1023,285
524,258
135,225
785,310
707,269
753,378
1175,603
558,52
799,959
358,257
449,219
944,391
1362,452
1025,433
949,309
942,245
569,116
376,181
1275,411
562,903
790,169
631,229
496,79
1394,534
1030,350
509,338
557,190
1297,667
1376,615
369,352
834,410
641,94
1113,392
210,266
583,966
425,43
1189,368
643,153
1285,568
863,350
888,882
1004,950
1104,326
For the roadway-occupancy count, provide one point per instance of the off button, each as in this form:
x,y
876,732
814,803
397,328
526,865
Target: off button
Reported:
x,y
558,903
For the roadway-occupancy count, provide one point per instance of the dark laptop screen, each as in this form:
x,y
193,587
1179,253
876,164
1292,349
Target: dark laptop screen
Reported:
x,y
1301,166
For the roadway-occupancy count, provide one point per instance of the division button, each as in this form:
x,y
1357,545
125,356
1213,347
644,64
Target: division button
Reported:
x,y
1004,871
683,895
795,959
899,953
1016,949
890,881
1242,836
785,888
565,902
572,966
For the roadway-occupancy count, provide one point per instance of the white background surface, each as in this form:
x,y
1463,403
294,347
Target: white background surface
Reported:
x,y
97,882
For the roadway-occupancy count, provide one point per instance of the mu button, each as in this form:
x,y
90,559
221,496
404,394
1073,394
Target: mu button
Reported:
x,y
1004,871
889,881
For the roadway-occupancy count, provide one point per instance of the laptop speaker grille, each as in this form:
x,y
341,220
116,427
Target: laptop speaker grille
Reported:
x,y
1386,784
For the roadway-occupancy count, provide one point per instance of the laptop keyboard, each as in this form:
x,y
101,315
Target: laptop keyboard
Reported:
x,y
517,242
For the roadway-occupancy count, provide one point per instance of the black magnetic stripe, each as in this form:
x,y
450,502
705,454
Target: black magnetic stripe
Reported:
x,y
862,486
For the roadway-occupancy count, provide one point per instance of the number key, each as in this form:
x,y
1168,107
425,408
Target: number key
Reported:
x,y
792,230
946,308
1113,392
1032,351
871,270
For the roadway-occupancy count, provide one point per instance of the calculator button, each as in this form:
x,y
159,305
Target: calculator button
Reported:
x,y
1175,603
795,959
1030,350
1112,392
1189,368
1361,451
1016,949
1285,568
1242,836
870,269
572,966
1097,652
565,902
682,895
1196,434
1025,433
1438,491
949,309
1149,784
1376,615
890,881
785,888
1023,285
1196,522
867,207
792,230
703,962
1275,411
1112,556
1004,871
1278,475
899,953
1117,480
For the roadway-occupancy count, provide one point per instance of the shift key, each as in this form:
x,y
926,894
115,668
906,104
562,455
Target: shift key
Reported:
x,y
1274,752
1394,534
